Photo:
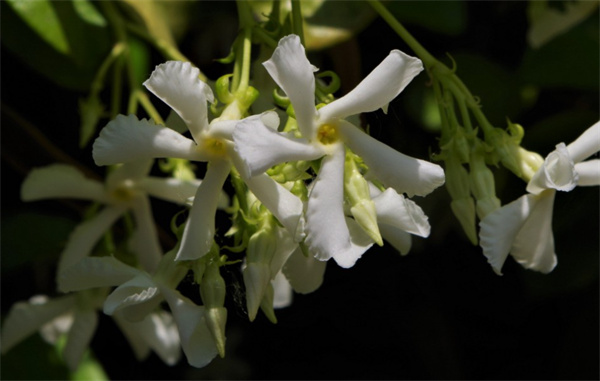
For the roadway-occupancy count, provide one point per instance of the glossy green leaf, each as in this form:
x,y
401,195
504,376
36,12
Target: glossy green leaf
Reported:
x,y
86,10
41,16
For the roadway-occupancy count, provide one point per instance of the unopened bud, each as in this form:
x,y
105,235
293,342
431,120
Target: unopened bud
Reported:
x,y
212,287
216,319
266,305
257,278
483,186
462,205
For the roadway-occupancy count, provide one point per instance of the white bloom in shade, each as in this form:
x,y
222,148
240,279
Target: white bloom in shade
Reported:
x,y
137,299
325,134
523,227
76,316
128,139
125,188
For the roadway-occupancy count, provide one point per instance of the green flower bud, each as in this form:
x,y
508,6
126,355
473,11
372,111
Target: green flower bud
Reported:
x,y
212,287
257,278
464,210
462,205
530,162
222,89
506,148
362,207
216,318
483,186
266,305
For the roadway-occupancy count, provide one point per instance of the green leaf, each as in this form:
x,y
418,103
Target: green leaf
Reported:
x,y
153,18
569,60
41,16
88,13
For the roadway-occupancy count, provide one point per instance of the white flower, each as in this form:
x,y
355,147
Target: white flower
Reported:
x,y
128,139
325,134
126,188
523,227
76,316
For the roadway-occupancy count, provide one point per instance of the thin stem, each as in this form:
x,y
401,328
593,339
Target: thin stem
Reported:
x,y
423,54
297,20
142,97
114,54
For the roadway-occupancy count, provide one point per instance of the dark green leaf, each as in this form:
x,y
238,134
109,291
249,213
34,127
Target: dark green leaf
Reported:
x,y
89,13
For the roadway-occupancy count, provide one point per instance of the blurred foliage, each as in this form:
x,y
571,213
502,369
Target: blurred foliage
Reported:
x,y
551,88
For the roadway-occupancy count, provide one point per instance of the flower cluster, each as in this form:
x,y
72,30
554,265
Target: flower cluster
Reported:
x,y
317,188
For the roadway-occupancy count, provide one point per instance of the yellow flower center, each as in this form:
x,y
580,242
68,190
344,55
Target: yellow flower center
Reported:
x,y
124,191
327,134
215,147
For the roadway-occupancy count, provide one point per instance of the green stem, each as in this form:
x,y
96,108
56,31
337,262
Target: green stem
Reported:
x,y
98,82
297,20
420,51
142,97
262,35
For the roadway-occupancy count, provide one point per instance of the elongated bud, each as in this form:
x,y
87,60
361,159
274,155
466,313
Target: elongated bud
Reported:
x,y
266,305
212,290
462,205
483,186
530,162
257,273
356,190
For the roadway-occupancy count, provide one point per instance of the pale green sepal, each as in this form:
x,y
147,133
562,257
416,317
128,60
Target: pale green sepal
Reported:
x,y
216,318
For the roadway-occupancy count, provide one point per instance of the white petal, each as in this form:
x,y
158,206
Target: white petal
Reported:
x,y
586,144
284,205
136,297
24,318
196,340
52,331
327,234
399,239
199,230
170,189
61,181
126,139
132,171
144,241
589,172
499,229
95,272
79,337
360,242
557,172
85,236
292,71
533,246
285,247
395,210
261,148
157,331
282,291
178,85
403,173
378,89
304,272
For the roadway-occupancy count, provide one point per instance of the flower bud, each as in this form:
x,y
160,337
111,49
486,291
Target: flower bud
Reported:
x,y
530,162
462,205
483,186
266,305
257,277
216,318
212,290
356,189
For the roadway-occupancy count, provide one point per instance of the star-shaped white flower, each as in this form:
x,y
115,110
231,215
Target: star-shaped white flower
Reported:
x,y
523,227
128,139
125,188
76,316
325,134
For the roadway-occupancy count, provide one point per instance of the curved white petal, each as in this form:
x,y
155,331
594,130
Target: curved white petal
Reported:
x,y
285,206
85,236
178,85
61,181
144,241
589,172
24,318
304,272
196,340
199,230
79,337
261,148
359,243
398,238
136,298
403,173
378,89
499,229
282,291
157,331
533,246
170,189
396,210
557,172
285,247
327,234
586,144
92,272
292,71
126,139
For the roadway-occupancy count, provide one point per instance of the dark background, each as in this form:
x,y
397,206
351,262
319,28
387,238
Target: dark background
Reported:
x,y
438,313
